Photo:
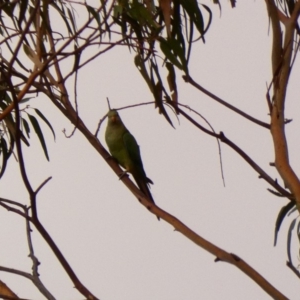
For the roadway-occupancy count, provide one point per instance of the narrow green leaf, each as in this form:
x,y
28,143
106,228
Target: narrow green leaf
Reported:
x,y
158,90
159,99
166,48
96,16
39,113
63,15
192,9
179,51
171,78
289,240
7,99
105,18
5,155
281,215
71,17
25,100
209,18
39,133
77,57
118,9
35,59
140,64
190,41
298,231
177,25
26,127
27,50
140,13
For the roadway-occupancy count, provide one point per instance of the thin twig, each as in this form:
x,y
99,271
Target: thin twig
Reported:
x,y
42,184
35,264
218,142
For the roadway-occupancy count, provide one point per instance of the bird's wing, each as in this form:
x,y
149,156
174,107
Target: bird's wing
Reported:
x,y
139,174
133,149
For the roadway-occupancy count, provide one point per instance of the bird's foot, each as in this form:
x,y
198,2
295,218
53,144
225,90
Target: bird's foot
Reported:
x,y
123,174
108,157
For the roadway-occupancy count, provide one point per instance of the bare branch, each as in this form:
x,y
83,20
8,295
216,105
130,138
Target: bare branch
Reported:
x,y
81,288
179,226
35,263
255,166
9,208
221,255
43,184
190,80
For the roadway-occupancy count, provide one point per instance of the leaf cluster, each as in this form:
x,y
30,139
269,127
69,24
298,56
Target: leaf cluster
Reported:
x,y
10,131
171,25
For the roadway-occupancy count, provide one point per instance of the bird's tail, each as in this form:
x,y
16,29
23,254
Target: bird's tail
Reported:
x,y
144,187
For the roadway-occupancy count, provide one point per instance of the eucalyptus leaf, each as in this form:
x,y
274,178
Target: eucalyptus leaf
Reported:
x,y
96,16
289,239
39,133
39,113
166,48
281,215
26,127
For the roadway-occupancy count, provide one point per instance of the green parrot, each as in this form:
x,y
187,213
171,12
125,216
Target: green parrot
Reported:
x,y
124,148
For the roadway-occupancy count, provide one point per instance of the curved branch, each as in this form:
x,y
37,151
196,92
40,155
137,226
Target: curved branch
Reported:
x,y
35,277
247,158
35,220
221,255
178,225
189,79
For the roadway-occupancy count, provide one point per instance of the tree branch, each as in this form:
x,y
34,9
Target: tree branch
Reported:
x,y
221,136
35,220
190,80
178,225
277,115
277,36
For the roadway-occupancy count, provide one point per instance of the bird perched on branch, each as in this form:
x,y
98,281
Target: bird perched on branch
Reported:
x,y
124,148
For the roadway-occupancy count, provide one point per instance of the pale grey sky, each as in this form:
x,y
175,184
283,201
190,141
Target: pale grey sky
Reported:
x,y
116,247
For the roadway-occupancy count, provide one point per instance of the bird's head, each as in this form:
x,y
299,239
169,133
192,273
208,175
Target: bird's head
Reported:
x,y
113,117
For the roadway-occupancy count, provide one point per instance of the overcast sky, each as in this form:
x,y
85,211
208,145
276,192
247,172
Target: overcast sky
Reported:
x,y
116,247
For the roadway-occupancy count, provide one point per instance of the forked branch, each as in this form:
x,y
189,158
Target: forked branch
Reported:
x,y
281,58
